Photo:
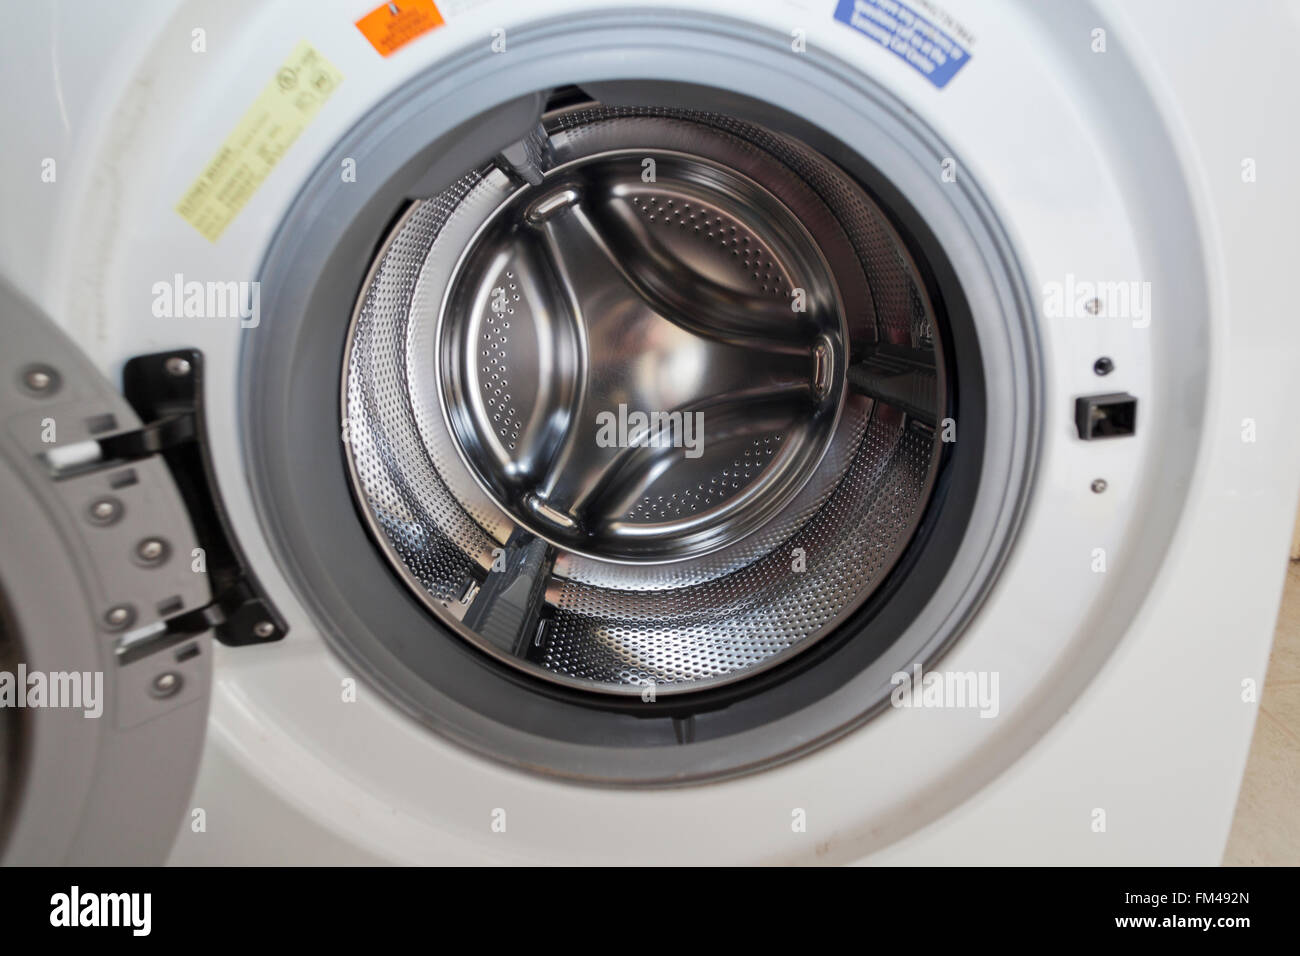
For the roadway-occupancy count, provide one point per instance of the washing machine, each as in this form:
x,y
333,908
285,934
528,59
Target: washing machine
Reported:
x,y
789,431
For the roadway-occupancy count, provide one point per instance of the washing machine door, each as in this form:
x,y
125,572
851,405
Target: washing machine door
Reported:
x,y
105,662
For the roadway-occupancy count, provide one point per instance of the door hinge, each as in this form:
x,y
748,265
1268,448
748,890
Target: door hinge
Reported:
x,y
166,391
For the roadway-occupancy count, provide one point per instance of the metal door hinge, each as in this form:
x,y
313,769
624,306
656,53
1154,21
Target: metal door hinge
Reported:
x,y
166,391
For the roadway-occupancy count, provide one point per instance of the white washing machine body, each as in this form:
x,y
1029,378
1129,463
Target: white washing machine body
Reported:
x,y
1126,625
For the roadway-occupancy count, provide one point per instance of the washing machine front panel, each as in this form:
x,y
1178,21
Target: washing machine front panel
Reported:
x,y
941,736
352,777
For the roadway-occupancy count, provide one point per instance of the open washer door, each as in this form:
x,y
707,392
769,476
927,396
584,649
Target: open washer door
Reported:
x,y
105,662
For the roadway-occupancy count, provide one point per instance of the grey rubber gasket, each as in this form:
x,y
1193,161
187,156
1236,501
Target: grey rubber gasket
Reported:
x,y
462,110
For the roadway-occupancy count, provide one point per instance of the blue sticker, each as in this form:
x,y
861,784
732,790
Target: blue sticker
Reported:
x,y
906,34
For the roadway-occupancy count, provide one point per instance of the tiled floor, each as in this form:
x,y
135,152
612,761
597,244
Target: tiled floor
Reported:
x,y
1266,829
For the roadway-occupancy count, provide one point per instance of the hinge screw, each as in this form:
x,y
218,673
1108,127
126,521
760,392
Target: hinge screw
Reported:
x,y
177,366
165,685
263,629
1099,485
41,379
151,550
119,616
105,510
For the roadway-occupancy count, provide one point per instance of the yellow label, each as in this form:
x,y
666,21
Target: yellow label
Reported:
x,y
281,111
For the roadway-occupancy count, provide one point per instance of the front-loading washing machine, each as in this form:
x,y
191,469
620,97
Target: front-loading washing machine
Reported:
x,y
786,431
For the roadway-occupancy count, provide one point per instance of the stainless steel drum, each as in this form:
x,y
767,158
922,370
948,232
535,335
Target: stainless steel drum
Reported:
x,y
652,399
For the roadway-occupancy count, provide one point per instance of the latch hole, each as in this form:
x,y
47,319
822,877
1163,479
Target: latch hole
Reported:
x,y
98,424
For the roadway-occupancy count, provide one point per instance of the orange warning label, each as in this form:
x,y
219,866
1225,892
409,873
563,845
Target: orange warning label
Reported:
x,y
390,26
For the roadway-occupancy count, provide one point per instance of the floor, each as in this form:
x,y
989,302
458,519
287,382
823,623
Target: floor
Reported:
x,y
1266,828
